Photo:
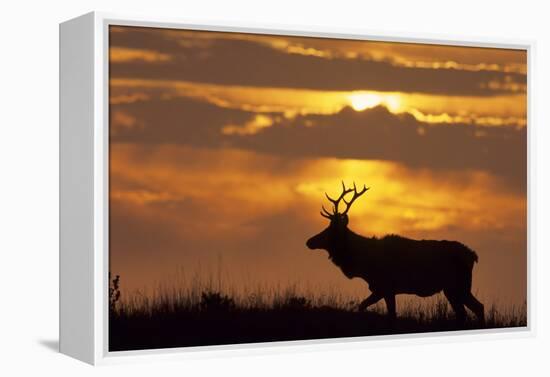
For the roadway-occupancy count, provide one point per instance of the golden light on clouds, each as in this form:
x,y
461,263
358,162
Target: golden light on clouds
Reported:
x,y
409,55
484,111
122,120
122,54
401,199
250,128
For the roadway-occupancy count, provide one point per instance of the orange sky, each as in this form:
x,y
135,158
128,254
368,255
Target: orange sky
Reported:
x,y
223,144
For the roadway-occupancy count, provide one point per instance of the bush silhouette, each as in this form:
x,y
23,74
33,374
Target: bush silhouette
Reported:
x,y
295,303
215,302
114,292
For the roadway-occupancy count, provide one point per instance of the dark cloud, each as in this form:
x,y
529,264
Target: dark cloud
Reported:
x,y
248,63
178,121
378,134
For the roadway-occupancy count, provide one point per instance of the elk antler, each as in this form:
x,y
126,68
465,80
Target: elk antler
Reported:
x,y
355,196
335,202
326,213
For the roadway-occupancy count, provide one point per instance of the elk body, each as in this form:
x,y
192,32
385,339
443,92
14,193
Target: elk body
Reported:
x,y
394,265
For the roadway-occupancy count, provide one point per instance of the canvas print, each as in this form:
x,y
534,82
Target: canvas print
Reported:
x,y
269,188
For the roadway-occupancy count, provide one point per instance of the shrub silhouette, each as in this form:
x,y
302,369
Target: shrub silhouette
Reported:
x,y
114,292
295,303
215,302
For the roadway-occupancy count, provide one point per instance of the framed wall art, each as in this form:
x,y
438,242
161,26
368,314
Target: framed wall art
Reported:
x,y
232,187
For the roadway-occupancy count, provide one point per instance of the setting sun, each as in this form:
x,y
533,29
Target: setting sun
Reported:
x,y
362,101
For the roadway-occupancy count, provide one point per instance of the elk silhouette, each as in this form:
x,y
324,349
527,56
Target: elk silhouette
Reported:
x,y
393,265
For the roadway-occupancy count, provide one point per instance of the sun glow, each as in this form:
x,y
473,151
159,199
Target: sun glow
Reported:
x,y
433,109
362,101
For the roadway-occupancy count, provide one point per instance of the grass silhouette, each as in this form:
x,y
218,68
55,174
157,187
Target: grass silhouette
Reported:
x,y
207,314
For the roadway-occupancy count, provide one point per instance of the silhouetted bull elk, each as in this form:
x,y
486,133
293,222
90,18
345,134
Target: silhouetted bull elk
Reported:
x,y
392,265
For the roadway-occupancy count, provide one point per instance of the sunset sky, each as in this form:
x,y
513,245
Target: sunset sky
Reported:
x,y
222,146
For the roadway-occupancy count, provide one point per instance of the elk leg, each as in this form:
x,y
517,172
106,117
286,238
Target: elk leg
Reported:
x,y
390,305
372,299
474,305
457,305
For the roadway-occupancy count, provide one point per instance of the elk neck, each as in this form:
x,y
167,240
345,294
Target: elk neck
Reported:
x,y
352,252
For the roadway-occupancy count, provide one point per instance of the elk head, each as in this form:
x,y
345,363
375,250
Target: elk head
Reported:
x,y
332,236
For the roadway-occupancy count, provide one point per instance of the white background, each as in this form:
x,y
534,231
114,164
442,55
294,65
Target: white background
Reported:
x,y
29,186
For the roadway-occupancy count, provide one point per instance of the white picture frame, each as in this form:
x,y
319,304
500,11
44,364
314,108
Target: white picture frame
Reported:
x,y
84,186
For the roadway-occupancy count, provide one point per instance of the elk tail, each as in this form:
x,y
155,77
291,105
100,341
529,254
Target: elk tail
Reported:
x,y
473,256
